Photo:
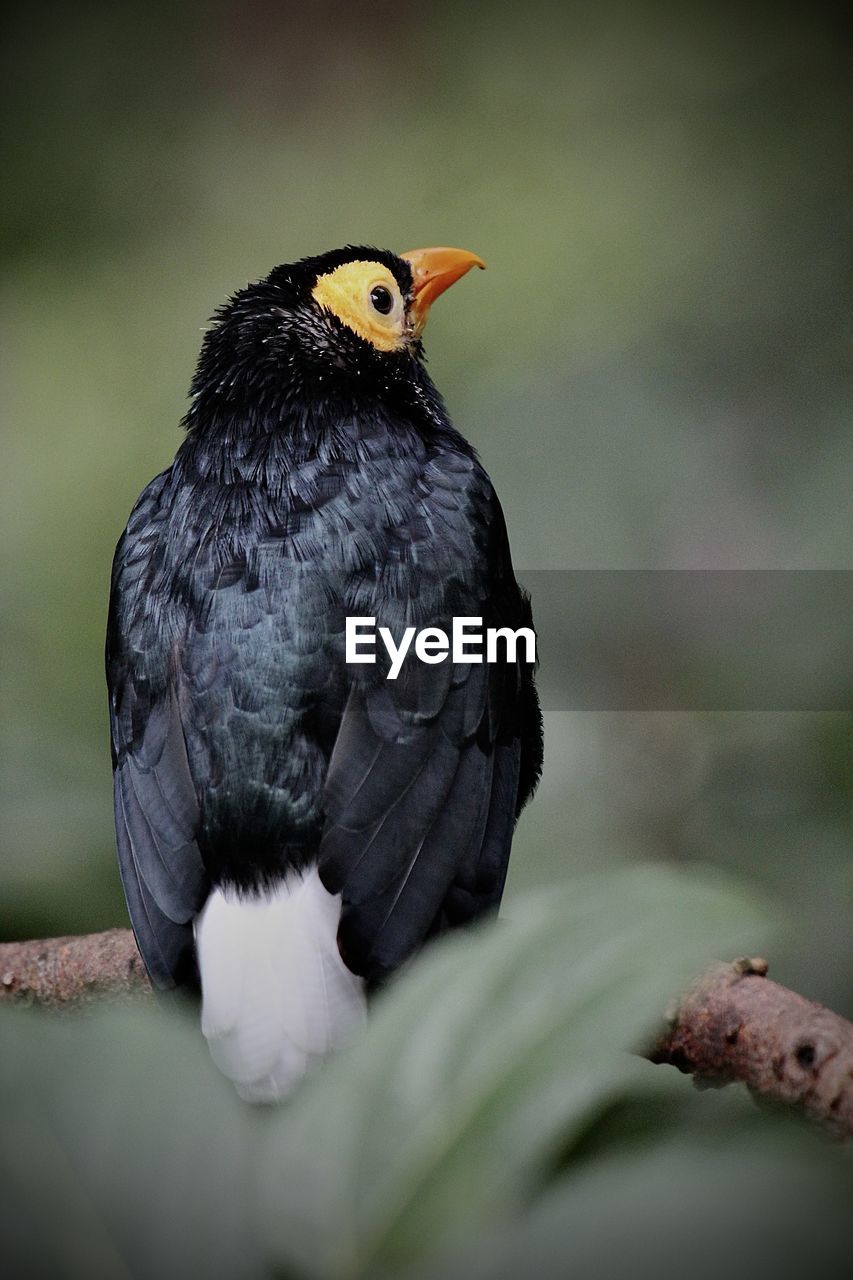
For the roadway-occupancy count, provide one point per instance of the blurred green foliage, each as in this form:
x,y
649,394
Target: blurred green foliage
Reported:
x,y
488,1122
653,368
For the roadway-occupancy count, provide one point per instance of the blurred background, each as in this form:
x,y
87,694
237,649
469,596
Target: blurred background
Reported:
x,y
654,368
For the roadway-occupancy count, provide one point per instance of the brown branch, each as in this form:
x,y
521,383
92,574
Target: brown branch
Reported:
x,y
62,973
734,1024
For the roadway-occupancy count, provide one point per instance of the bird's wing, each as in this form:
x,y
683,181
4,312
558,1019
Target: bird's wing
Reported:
x,y
420,802
423,787
156,808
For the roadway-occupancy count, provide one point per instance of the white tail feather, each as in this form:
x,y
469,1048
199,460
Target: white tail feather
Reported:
x,y
276,996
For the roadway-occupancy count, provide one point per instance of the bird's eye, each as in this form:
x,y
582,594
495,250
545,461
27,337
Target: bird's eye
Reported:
x,y
381,299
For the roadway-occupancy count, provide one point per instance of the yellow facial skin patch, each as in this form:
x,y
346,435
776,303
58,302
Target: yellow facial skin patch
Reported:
x,y
352,291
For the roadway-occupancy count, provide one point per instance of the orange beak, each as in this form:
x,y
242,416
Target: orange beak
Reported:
x,y
433,271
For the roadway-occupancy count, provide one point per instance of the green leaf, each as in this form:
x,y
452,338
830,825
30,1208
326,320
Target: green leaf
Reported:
x,y
721,1192
482,1063
122,1151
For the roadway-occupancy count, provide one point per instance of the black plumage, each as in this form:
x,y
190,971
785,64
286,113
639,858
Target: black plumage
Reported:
x,y
320,477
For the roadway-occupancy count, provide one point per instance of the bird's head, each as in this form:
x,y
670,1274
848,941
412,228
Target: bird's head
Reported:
x,y
336,324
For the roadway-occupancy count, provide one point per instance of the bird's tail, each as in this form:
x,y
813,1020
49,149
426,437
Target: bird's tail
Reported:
x,y
276,996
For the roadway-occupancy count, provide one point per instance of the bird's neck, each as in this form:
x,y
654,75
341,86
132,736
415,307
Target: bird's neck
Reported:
x,y
240,443
264,437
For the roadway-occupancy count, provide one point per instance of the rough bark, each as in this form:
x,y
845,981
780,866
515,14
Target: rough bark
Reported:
x,y
732,1024
63,973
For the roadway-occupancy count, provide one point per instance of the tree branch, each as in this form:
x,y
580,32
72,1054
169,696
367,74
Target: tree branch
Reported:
x,y
62,973
732,1024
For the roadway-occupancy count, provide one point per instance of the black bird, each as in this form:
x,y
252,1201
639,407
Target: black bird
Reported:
x,y
292,827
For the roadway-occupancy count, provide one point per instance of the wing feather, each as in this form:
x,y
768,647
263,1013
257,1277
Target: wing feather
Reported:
x,y
156,806
162,872
428,801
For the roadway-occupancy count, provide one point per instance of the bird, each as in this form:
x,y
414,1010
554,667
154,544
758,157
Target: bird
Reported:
x,y
293,828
